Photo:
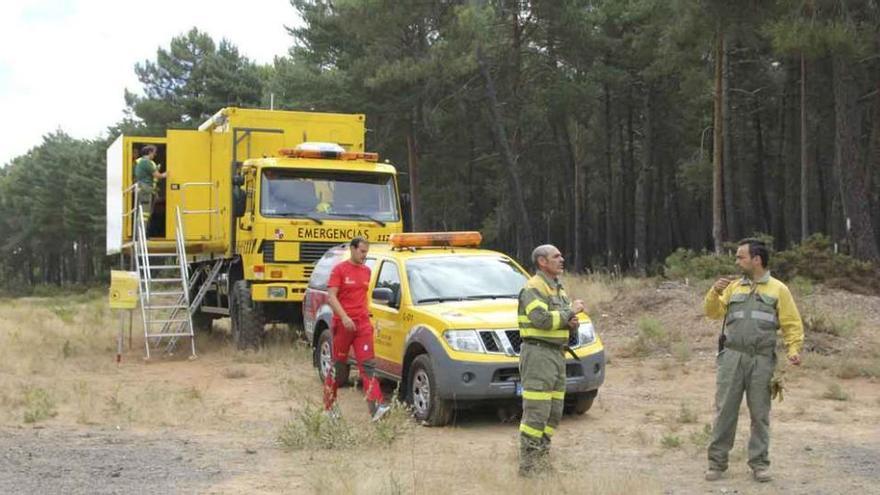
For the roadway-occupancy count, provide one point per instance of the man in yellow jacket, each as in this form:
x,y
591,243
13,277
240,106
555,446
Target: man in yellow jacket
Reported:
x,y
754,307
546,318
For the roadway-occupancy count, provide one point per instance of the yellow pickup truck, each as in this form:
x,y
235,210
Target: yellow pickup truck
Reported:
x,y
445,320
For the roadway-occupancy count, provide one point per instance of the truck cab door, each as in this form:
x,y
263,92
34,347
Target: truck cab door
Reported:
x,y
388,333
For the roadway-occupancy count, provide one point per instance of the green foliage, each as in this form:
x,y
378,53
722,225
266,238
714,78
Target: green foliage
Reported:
x,y
192,79
53,224
809,262
607,107
831,325
311,429
38,405
671,441
684,263
815,259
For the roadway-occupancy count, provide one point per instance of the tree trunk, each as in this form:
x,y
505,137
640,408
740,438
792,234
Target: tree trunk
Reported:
x,y
805,219
847,162
640,230
717,148
609,185
524,239
731,230
412,156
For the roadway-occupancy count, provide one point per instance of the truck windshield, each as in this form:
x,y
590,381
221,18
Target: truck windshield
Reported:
x,y
460,278
335,195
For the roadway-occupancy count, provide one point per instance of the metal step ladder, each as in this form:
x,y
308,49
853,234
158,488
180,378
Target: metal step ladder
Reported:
x,y
164,293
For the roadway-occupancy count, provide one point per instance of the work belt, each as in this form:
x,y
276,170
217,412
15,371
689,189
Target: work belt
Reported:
x,y
556,347
750,350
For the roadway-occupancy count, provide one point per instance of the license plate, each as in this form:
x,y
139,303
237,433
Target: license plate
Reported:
x,y
519,389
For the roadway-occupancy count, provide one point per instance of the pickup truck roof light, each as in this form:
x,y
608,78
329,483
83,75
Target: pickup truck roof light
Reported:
x,y
435,239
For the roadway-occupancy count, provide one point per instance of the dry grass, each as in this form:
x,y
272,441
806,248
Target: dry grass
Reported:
x,y
600,292
399,474
836,392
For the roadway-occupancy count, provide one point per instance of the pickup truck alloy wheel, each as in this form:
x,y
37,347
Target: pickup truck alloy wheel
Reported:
x,y
421,392
427,407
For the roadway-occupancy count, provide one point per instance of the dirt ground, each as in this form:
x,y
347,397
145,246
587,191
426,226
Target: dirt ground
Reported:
x,y
72,421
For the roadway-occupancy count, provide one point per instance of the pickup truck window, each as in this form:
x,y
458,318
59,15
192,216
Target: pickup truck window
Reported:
x,y
459,278
389,277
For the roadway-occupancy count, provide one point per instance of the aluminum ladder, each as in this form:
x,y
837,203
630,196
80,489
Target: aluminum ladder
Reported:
x,y
164,290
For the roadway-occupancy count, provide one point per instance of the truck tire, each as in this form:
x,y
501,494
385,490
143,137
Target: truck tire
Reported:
x,y
247,319
580,403
422,394
324,359
202,322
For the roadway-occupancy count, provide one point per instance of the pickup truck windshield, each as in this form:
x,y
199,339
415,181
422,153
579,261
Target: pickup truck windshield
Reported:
x,y
328,195
460,278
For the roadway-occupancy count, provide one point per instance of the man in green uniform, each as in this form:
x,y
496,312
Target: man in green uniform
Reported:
x,y
754,308
146,173
546,316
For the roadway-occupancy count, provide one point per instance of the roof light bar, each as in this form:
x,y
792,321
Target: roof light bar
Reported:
x,y
326,150
436,239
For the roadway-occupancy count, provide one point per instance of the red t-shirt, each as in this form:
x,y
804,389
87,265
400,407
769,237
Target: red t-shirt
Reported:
x,y
353,281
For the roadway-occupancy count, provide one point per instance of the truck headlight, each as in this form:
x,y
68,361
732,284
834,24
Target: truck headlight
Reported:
x,y
463,340
277,292
586,333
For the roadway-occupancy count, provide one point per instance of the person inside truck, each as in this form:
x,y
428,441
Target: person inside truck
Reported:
x,y
146,174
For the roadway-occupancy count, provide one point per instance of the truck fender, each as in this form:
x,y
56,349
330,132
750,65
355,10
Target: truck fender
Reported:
x,y
419,340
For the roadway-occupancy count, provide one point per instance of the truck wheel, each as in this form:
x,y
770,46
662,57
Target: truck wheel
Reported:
x,y
247,319
429,409
324,353
202,322
580,403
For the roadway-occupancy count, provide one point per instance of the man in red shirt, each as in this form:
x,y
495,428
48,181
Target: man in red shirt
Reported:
x,y
347,291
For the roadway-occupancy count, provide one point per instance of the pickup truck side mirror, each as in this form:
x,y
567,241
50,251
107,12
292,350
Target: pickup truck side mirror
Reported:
x,y
383,295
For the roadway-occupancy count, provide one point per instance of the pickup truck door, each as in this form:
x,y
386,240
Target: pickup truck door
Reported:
x,y
388,330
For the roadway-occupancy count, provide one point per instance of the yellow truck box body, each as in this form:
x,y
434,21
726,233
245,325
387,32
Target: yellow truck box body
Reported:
x,y
200,164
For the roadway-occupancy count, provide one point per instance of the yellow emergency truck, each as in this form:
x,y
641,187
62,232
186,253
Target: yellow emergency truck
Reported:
x,y
254,198
444,314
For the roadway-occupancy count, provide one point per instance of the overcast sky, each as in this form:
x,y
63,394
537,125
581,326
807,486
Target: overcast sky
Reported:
x,y
65,64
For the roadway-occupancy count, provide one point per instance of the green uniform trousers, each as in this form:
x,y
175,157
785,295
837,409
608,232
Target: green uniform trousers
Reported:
x,y
740,372
542,369
146,198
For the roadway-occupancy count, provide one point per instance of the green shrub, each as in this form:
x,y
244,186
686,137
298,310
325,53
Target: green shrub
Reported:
x,y
39,405
684,263
831,325
310,428
671,441
811,261
815,260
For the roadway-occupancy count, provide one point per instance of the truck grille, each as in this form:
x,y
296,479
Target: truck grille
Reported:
x,y
496,341
311,252
490,342
268,249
